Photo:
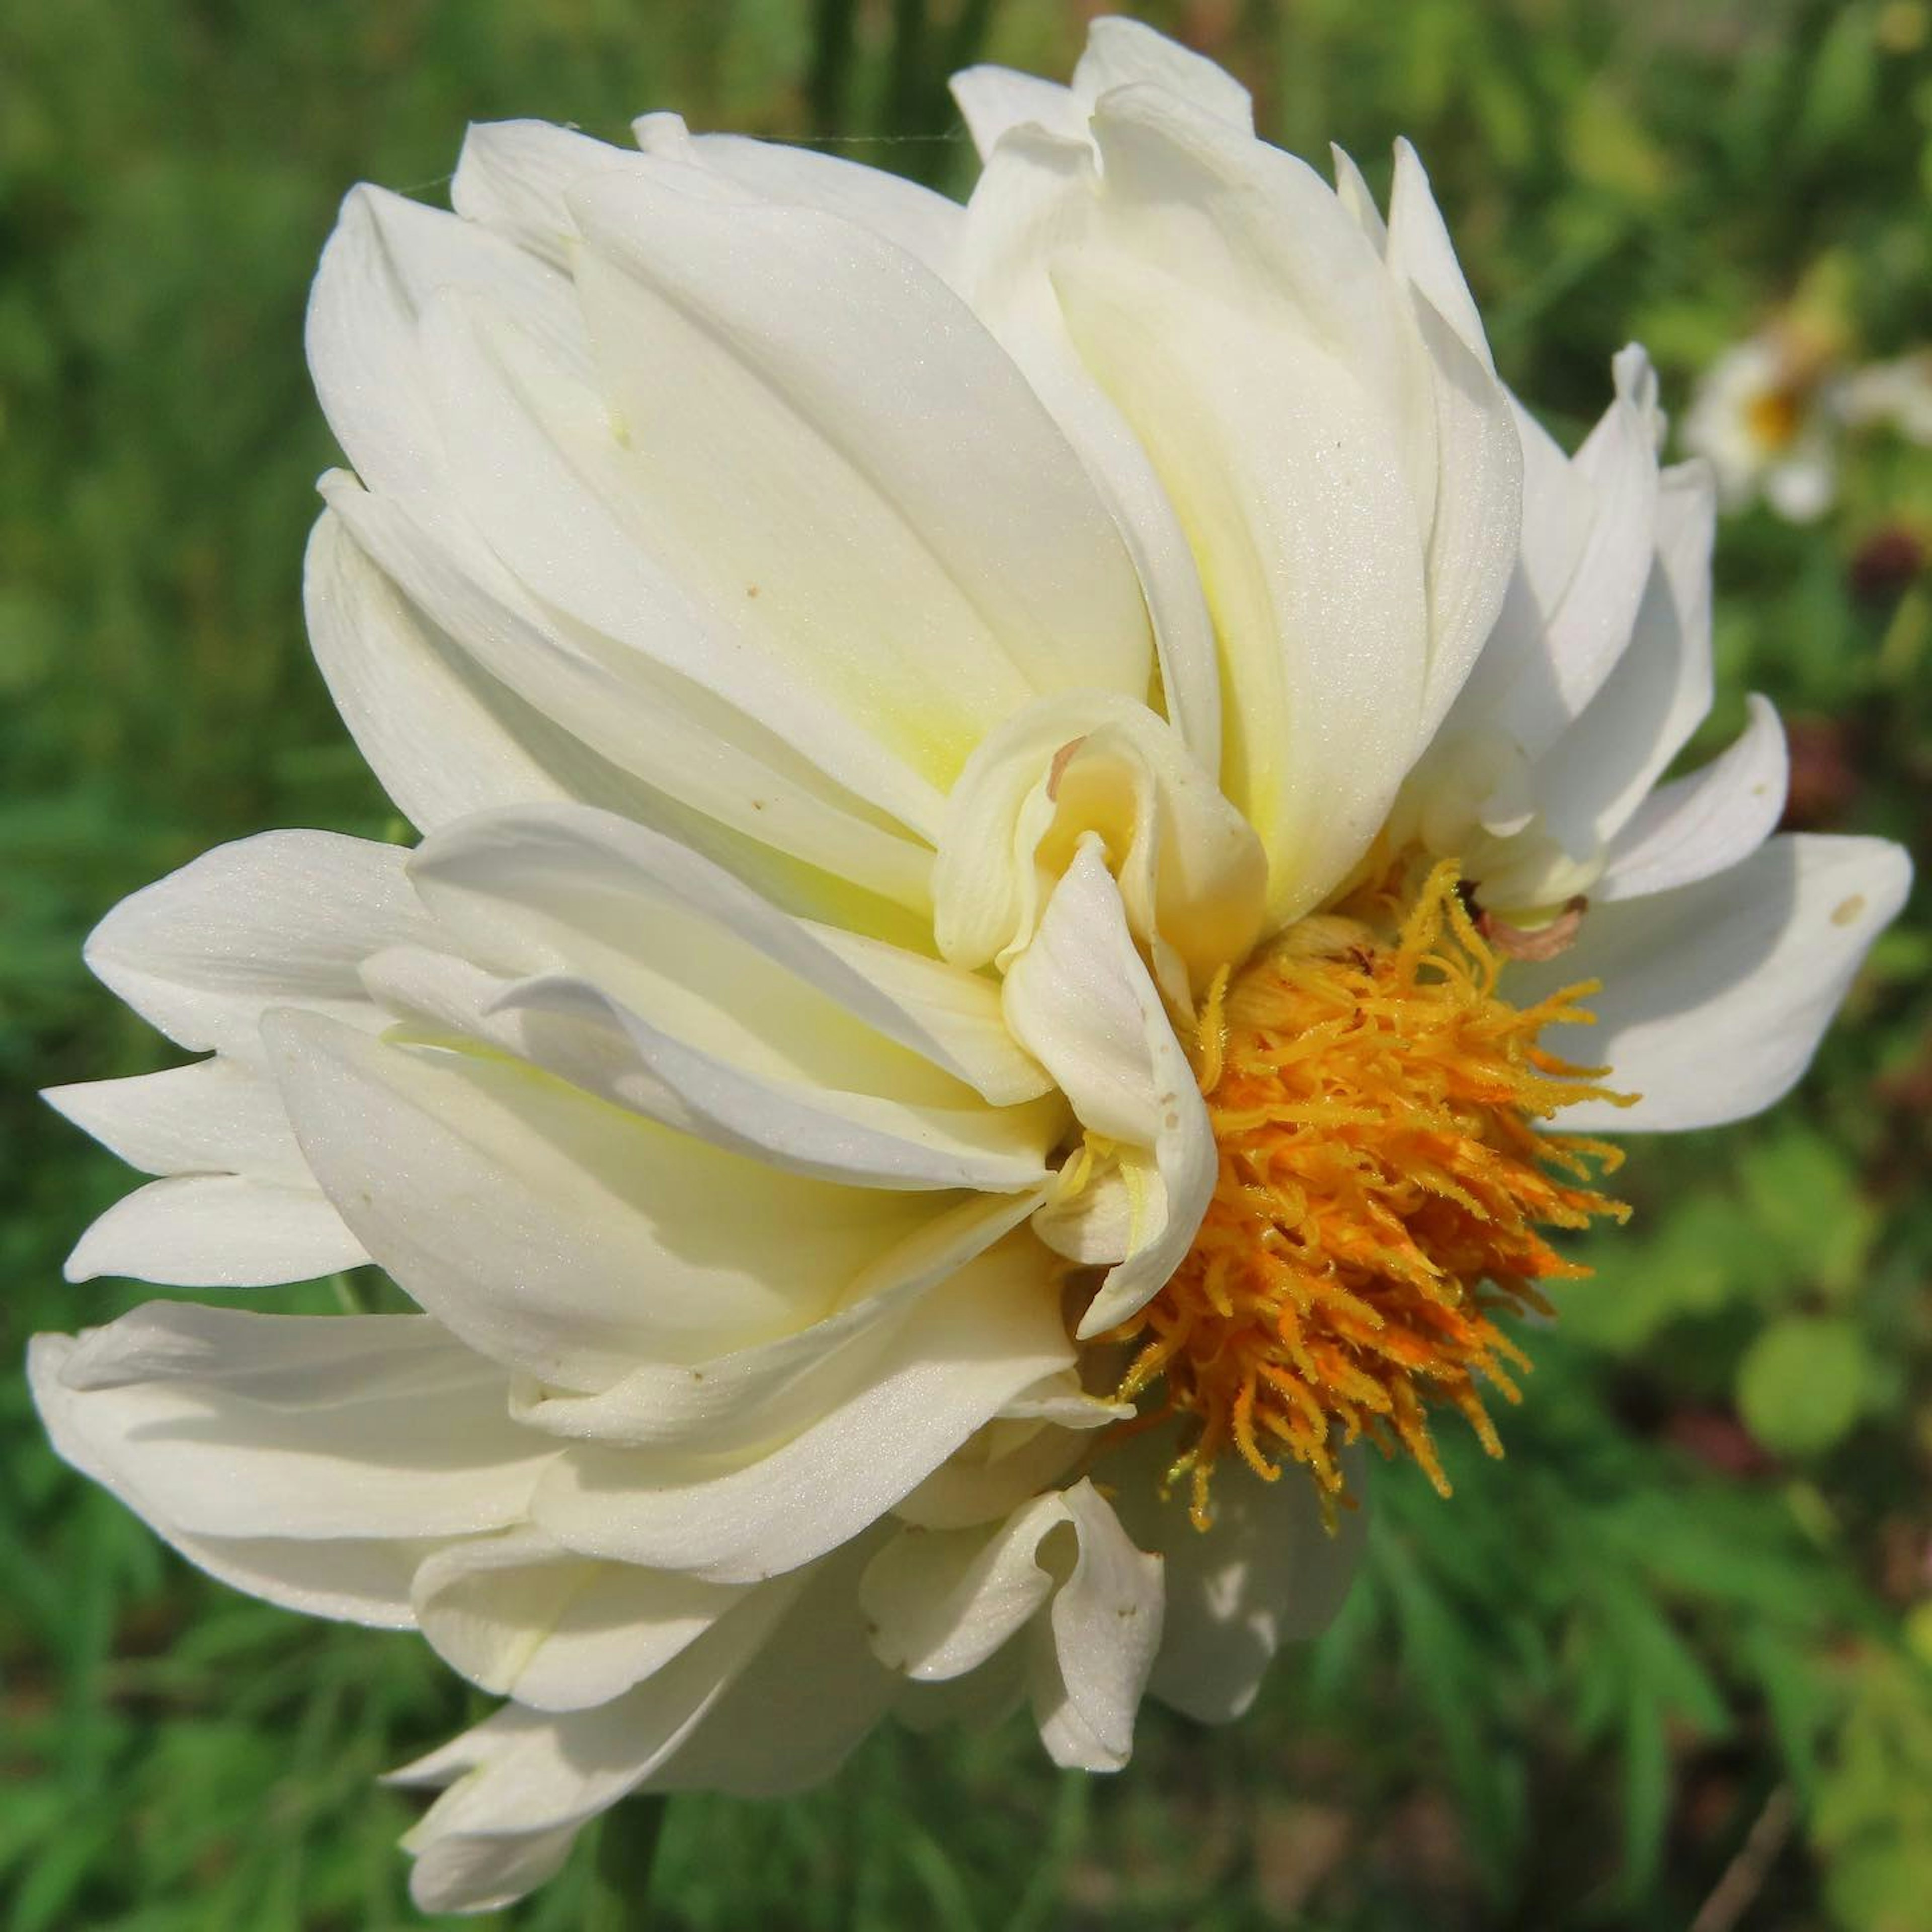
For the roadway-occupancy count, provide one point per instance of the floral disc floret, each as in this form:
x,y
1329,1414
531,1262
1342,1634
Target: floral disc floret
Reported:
x,y
1384,1195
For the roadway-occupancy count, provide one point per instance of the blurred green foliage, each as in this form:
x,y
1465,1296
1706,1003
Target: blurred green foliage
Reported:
x,y
1669,1665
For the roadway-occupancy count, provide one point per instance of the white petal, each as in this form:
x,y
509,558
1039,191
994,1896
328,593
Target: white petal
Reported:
x,y
1267,1573
515,177
521,1782
1012,1459
443,736
360,1580
992,1330
1080,1000
631,713
1354,195
1599,771
520,1617
557,1233
223,1423
1558,506
385,259
1192,874
815,414
1590,628
1589,539
585,540
216,1230
1105,1625
1037,197
1419,248
681,992
734,1405
1261,388
576,1030
991,100
215,1117
1715,994
1122,52
1706,820
282,918
1674,620
1477,495
925,225
1473,539
941,1602
959,1012
797,1711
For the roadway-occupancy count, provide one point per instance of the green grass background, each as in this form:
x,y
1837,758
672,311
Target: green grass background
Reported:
x,y
1693,1608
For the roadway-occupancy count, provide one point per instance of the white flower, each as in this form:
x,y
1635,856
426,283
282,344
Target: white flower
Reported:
x,y
1895,395
926,1052
1765,418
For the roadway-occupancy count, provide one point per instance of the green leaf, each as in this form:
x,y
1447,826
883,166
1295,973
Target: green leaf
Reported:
x,y
1802,1383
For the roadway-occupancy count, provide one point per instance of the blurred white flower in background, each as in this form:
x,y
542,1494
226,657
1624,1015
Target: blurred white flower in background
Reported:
x,y
1896,395
1766,417
1016,800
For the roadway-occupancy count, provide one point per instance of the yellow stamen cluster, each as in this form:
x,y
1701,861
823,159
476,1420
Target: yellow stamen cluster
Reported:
x,y
1381,1193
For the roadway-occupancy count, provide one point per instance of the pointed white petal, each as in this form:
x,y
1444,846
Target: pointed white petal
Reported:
x,y
522,1618
216,1230
1600,770
362,1580
991,100
223,1423
991,1331
515,177
1283,397
690,953
557,1233
215,1117
734,1405
1080,1000
853,487
443,736
1705,821
925,225
1473,538
281,918
1354,195
1715,994
387,257
1121,52
1591,627
1036,197
521,1782
1419,249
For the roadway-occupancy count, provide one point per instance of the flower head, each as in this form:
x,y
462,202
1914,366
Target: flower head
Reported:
x,y
1766,417
1023,809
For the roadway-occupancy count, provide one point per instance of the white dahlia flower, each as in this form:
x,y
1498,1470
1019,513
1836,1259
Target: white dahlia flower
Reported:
x,y
1002,790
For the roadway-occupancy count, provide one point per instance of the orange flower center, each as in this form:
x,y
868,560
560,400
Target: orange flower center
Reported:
x,y
1774,416
1382,1195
